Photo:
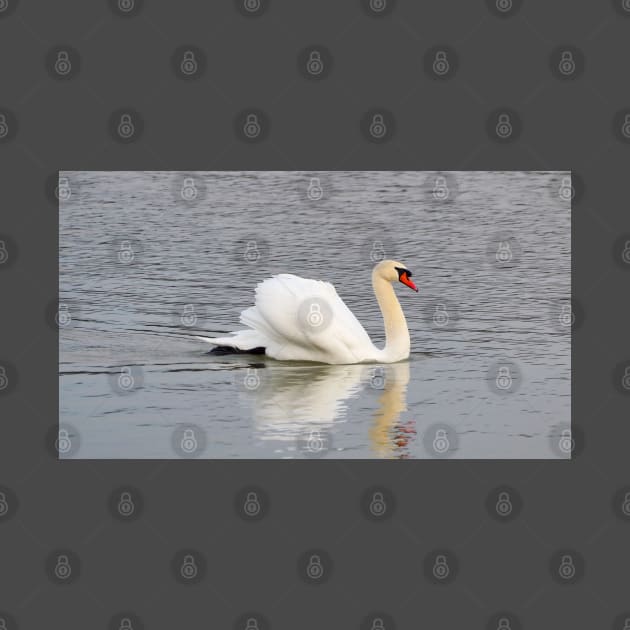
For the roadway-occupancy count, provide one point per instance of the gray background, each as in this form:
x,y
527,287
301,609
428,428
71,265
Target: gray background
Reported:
x,y
440,124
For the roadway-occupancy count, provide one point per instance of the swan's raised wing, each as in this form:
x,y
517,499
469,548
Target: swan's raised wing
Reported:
x,y
303,319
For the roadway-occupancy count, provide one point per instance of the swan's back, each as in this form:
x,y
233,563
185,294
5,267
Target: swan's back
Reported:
x,y
285,307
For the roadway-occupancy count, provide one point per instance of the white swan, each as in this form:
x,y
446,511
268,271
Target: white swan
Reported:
x,y
296,319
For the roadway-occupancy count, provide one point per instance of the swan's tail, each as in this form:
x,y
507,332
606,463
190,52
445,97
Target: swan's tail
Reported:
x,y
272,320
240,340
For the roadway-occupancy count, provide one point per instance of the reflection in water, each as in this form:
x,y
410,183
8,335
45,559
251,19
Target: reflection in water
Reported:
x,y
388,436
287,399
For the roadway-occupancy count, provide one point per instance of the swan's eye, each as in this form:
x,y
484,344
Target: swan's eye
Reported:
x,y
402,271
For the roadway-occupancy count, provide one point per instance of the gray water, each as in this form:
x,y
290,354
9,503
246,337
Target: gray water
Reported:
x,y
149,259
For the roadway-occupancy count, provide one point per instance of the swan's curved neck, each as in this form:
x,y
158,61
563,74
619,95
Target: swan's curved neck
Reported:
x,y
397,342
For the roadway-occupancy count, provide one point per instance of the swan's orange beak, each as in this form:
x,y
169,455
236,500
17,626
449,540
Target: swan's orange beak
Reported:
x,y
404,278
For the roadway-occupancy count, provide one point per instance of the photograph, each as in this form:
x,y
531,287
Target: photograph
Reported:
x,y
314,315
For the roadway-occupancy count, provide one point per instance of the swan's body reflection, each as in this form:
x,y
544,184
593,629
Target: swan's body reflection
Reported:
x,y
287,400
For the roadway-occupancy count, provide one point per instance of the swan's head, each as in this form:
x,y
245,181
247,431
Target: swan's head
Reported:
x,y
392,270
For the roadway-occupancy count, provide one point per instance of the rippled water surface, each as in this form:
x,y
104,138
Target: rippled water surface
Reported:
x,y
148,260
